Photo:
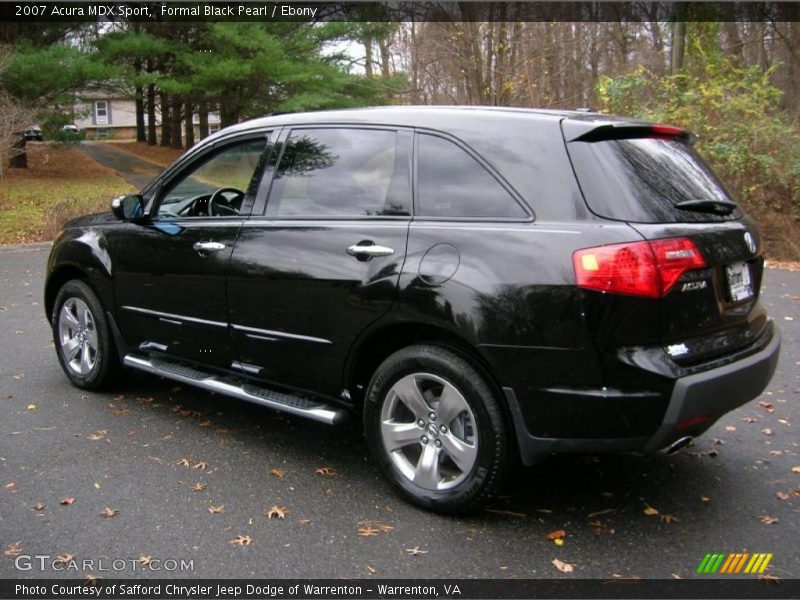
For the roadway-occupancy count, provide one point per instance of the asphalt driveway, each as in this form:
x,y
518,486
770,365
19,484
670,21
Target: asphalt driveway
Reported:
x,y
188,472
137,171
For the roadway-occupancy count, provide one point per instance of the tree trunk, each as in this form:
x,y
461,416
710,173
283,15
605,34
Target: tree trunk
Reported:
x,y
151,115
368,56
678,41
202,113
175,125
139,103
151,109
188,123
166,130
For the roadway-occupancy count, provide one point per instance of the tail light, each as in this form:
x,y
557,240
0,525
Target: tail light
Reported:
x,y
647,268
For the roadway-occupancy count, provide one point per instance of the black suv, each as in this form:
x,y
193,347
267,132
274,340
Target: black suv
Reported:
x,y
476,283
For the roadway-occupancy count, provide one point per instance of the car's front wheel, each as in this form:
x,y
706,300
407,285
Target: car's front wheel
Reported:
x,y
436,429
82,336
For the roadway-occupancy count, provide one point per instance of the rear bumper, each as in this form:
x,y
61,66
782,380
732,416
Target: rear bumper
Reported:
x,y
715,392
704,396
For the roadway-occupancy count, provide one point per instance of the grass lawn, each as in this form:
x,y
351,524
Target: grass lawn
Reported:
x,y
60,183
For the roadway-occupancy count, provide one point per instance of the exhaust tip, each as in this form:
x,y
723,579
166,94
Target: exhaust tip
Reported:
x,y
678,444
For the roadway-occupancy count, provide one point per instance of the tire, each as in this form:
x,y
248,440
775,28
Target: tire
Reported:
x,y
83,338
448,458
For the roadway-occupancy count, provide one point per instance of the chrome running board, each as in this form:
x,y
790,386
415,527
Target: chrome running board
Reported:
x,y
296,405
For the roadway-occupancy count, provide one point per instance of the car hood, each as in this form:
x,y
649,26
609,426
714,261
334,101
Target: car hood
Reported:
x,y
104,218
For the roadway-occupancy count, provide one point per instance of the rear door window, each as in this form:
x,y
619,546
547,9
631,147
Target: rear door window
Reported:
x,y
452,183
341,172
642,179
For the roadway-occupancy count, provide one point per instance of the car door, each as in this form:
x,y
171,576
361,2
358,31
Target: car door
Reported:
x,y
323,262
170,270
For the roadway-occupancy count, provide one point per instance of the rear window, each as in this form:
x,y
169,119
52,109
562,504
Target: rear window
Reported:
x,y
642,179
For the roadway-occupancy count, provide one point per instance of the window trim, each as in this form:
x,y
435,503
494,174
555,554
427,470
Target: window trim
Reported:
x,y
516,196
106,120
407,148
161,186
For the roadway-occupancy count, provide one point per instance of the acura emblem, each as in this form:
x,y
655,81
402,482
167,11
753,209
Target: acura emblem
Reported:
x,y
750,242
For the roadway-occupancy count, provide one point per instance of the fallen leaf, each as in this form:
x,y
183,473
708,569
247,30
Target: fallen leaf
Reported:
x,y
145,560
668,518
63,559
599,512
730,428
650,511
766,431
198,487
325,471
416,551
141,400
782,495
13,550
67,501
796,469
277,512
507,513
11,486
750,419
277,472
768,520
304,521
767,406
202,465
109,512
185,462
558,542
562,566
242,540
97,435
205,423
705,499
215,510
367,531
39,507
32,407
767,578
557,534
372,570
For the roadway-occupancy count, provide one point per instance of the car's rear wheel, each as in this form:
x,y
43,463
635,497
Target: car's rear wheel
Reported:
x,y
436,429
82,337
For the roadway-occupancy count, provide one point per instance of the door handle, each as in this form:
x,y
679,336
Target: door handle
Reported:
x,y
207,247
368,250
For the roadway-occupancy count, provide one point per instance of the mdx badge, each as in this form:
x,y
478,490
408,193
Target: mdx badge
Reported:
x,y
750,242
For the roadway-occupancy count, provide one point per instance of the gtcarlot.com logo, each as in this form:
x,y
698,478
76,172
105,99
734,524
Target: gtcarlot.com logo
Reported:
x,y
46,562
720,563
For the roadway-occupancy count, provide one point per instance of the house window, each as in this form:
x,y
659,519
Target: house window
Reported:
x,y
101,112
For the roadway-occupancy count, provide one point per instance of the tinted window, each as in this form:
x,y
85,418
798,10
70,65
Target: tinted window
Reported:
x,y
340,173
642,179
232,168
451,183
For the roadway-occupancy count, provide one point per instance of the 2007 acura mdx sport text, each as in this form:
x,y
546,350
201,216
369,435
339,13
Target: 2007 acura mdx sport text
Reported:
x,y
476,283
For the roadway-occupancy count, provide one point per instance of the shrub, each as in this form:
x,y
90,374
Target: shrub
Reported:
x,y
750,142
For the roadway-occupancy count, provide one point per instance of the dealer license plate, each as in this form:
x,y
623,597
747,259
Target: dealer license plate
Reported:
x,y
739,282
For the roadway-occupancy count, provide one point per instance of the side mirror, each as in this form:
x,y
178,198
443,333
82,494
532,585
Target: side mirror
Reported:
x,y
128,208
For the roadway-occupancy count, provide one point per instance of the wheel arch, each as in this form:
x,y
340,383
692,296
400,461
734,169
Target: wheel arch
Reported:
x,y
379,343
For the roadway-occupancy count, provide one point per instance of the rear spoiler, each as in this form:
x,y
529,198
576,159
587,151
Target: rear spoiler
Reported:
x,y
587,131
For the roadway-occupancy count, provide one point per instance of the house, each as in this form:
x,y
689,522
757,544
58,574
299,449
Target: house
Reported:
x,y
104,115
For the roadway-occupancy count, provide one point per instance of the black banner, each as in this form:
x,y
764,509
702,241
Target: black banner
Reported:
x,y
318,589
254,10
